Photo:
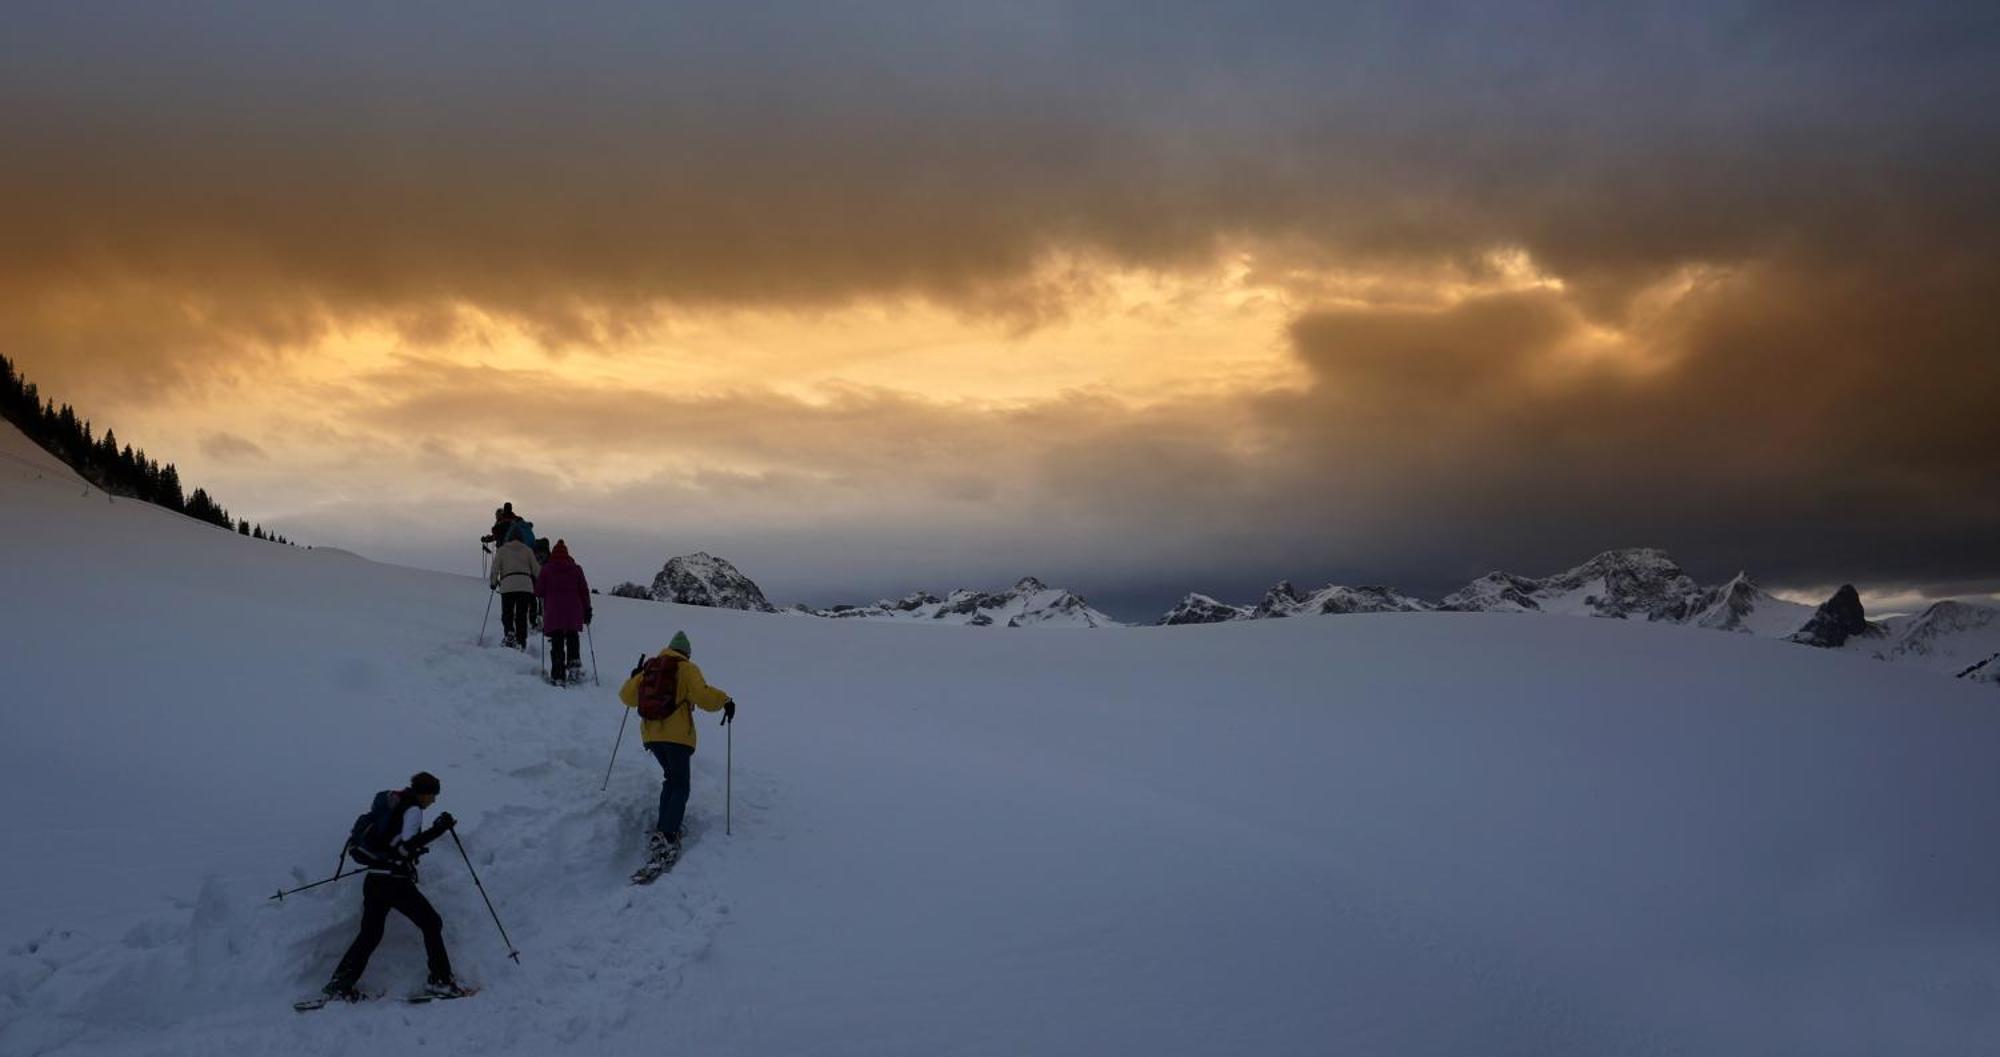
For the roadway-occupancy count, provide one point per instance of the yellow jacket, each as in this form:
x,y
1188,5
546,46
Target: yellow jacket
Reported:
x,y
689,689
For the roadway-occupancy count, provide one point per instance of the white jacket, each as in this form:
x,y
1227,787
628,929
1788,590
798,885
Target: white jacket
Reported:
x,y
514,568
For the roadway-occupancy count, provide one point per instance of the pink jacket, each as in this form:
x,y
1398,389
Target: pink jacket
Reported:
x,y
565,594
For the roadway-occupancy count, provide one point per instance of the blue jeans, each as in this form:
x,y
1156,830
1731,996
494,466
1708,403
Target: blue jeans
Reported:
x,y
674,782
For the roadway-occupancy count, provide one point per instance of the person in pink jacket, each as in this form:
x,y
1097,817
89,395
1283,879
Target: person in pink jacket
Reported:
x,y
565,596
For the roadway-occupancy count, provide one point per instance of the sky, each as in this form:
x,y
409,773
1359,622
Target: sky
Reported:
x,y
1137,298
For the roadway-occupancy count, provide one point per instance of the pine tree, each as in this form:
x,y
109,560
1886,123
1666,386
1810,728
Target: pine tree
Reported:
x,y
170,490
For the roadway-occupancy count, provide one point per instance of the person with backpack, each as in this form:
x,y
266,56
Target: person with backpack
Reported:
x,y
513,575
541,546
503,520
387,841
666,688
565,597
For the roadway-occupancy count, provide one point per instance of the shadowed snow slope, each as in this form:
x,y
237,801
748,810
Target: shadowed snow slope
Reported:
x,y
1427,833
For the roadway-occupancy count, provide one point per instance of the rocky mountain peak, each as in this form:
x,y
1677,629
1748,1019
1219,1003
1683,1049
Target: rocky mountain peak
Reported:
x,y
1282,600
1838,619
702,579
1199,608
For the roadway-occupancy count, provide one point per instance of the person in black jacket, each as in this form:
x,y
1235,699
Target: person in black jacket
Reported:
x,y
390,847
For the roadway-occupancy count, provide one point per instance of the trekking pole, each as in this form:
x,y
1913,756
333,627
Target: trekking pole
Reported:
x,y
728,772
614,749
487,617
592,639
282,893
511,952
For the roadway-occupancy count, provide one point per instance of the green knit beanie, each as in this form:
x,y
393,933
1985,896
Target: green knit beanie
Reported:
x,y
681,645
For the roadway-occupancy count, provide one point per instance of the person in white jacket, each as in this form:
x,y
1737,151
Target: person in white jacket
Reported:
x,y
514,572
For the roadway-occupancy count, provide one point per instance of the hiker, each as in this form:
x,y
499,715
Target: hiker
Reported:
x,y
565,597
541,555
503,519
671,739
389,845
513,575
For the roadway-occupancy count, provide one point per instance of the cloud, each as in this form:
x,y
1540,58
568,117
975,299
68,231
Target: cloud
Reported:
x,y
228,447
581,175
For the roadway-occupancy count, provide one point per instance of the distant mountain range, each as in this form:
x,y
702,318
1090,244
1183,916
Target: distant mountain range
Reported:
x,y
1954,638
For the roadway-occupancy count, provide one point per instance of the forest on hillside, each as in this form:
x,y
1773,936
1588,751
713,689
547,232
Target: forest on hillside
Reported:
x,y
118,470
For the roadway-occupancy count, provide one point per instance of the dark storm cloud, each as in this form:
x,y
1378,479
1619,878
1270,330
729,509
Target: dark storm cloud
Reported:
x,y
1799,421
550,165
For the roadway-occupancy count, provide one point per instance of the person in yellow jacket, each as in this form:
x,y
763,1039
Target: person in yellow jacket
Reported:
x,y
671,741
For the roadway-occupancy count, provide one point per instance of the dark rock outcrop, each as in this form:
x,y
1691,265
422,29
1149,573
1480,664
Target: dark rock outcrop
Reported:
x,y
1837,620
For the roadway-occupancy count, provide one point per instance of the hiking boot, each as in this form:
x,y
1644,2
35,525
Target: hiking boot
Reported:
x,y
340,993
663,847
443,987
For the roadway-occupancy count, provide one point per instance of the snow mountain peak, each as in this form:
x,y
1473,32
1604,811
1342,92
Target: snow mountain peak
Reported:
x,y
702,579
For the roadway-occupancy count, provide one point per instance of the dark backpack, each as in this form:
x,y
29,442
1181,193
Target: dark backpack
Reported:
x,y
368,841
658,681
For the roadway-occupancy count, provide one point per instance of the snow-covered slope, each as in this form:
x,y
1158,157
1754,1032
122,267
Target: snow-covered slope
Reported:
x,y
1029,603
1428,834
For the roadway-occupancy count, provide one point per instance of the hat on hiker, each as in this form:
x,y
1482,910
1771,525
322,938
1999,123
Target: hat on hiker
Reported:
x,y
425,782
681,645
561,548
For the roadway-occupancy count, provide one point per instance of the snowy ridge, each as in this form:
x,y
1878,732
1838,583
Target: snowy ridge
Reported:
x,y
1284,600
1029,603
1198,608
1639,582
1443,834
1645,583
1948,637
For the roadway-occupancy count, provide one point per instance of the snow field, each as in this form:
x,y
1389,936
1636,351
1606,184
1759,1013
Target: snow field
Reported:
x,y
1389,834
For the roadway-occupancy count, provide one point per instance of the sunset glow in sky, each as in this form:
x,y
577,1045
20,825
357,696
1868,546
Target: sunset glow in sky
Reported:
x,y
1137,298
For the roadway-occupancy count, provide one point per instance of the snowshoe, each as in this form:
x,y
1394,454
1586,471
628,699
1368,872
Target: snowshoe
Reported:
x,y
661,855
441,991
334,996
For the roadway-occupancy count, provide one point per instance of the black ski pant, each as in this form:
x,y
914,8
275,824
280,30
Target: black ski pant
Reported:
x,y
564,650
515,606
675,780
381,893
